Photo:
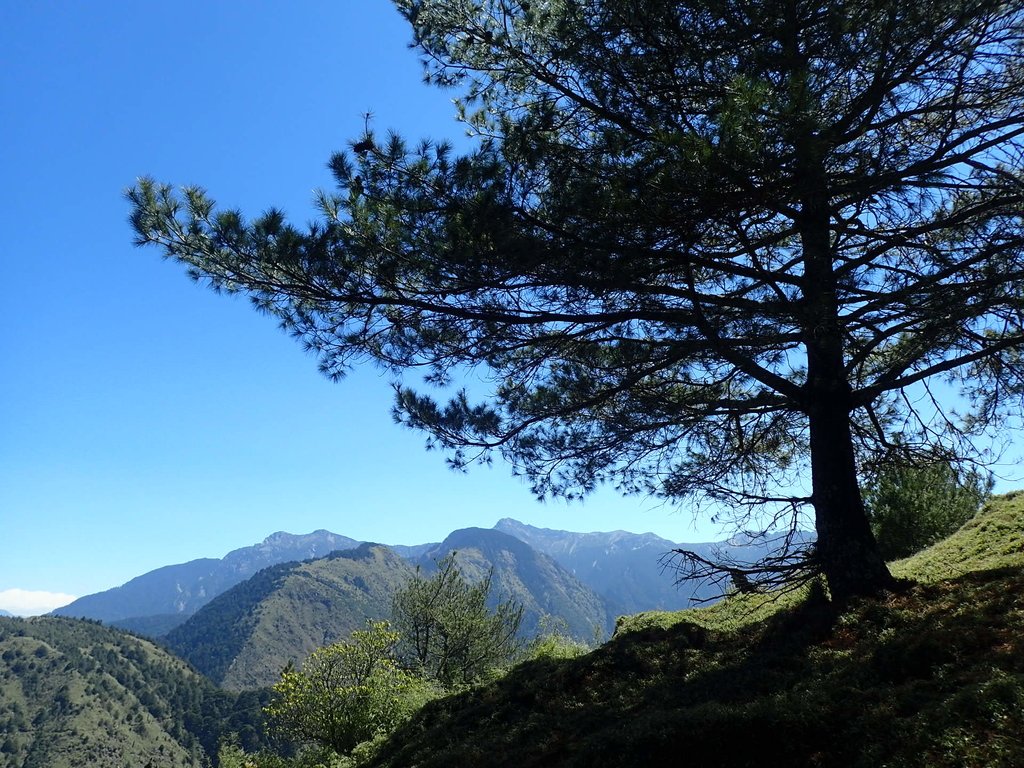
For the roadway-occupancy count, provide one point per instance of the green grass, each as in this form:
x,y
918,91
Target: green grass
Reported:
x,y
933,676
993,539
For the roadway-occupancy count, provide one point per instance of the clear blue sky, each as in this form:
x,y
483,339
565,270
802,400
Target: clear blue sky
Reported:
x,y
145,420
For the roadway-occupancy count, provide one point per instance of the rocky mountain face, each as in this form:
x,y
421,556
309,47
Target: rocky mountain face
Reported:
x,y
159,600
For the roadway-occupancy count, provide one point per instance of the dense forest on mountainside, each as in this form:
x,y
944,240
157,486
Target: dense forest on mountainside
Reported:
x,y
74,693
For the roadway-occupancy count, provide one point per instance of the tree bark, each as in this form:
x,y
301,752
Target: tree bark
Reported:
x,y
846,547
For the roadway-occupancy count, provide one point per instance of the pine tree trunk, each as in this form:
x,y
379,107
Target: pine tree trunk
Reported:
x,y
846,547
848,552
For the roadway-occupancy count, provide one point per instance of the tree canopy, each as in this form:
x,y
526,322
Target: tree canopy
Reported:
x,y
346,693
447,631
700,248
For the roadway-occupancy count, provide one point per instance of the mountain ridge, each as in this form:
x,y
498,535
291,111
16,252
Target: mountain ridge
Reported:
x,y
244,637
180,590
624,570
546,590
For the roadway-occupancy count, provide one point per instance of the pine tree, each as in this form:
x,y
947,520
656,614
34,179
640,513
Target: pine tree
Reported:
x,y
702,249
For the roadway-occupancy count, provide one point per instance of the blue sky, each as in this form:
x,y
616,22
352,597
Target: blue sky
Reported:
x,y
145,420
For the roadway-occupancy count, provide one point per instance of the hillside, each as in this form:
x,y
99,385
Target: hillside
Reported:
x,y
933,676
74,693
245,636
159,600
545,589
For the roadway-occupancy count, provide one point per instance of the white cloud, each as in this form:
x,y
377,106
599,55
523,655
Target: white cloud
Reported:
x,y
27,602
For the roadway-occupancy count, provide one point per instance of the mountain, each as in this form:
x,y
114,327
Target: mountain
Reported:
x,y
627,568
5,613
537,581
623,567
246,635
614,573
74,694
160,600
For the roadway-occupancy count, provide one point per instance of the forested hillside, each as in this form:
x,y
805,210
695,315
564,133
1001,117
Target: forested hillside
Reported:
x,y
74,693
245,637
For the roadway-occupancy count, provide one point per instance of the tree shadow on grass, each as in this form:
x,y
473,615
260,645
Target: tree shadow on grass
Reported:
x,y
933,676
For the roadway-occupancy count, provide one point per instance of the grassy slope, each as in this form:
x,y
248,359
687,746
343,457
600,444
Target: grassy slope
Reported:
x,y
930,677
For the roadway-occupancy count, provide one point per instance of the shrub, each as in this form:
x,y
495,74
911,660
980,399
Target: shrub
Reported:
x,y
448,632
912,507
347,693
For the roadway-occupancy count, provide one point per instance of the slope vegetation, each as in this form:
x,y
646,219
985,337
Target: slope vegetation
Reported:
x,y
74,693
933,676
546,590
244,637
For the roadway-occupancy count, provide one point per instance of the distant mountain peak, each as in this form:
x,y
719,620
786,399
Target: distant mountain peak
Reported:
x,y
510,525
277,536
180,590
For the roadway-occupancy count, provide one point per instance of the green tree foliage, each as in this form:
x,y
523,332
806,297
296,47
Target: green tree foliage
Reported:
x,y
448,632
346,693
702,248
912,507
